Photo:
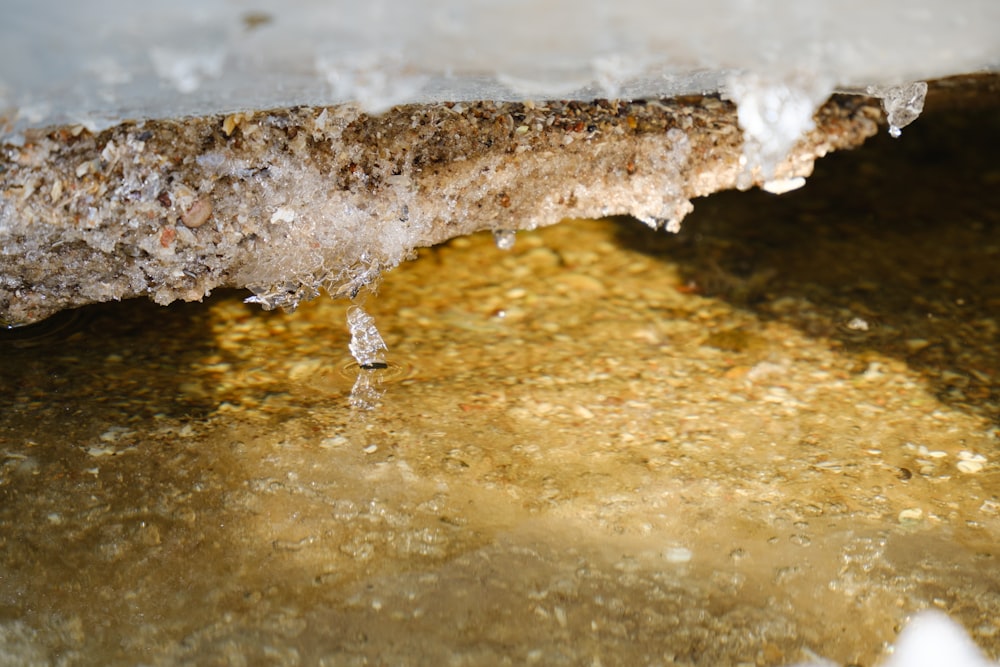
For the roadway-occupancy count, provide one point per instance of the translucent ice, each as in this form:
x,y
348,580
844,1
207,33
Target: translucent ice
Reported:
x,y
902,104
375,79
504,238
366,344
184,69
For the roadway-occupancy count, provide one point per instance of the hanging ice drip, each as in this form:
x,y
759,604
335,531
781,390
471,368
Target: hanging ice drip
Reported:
x,y
367,346
368,349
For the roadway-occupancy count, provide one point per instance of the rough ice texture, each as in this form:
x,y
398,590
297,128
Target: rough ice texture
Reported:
x,y
289,202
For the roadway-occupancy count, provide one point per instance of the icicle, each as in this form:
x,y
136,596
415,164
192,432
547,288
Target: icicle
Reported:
x,y
774,113
902,104
366,344
780,186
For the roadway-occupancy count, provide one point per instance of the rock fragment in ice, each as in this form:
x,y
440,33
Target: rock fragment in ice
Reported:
x,y
774,113
902,104
366,344
329,198
504,238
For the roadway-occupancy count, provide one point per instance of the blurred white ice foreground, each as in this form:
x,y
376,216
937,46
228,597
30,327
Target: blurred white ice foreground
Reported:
x,y
931,639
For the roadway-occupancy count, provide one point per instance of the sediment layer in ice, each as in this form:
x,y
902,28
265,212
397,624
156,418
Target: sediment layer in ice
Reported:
x,y
288,202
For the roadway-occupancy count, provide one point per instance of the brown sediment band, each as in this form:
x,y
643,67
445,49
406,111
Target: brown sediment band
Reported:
x,y
291,201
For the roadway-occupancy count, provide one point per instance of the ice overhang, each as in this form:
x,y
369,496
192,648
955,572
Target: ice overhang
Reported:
x,y
169,149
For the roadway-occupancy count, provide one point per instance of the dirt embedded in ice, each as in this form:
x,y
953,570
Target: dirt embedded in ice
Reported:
x,y
289,203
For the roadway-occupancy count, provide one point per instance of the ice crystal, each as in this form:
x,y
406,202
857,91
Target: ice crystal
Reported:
x,y
366,344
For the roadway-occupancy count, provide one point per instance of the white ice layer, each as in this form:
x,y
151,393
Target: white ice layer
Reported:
x,y
100,61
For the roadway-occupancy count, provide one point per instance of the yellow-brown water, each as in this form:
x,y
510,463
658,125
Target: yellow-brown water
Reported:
x,y
771,437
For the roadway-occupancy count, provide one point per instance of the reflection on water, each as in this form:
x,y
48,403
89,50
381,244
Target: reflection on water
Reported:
x,y
367,390
603,446
55,329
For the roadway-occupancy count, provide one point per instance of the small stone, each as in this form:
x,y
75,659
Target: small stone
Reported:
x,y
970,462
969,467
198,214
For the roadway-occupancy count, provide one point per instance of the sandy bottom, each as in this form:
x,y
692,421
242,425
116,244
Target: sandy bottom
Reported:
x,y
771,437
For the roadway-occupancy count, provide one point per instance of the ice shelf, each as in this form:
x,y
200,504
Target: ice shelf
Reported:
x,y
400,124
104,61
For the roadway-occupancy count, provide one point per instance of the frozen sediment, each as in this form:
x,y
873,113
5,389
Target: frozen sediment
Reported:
x,y
289,202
